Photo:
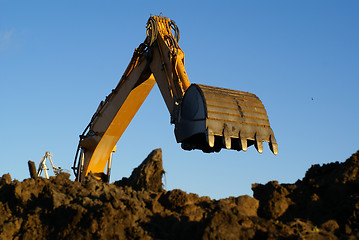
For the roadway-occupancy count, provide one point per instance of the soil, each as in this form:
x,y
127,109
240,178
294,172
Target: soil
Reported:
x,y
323,205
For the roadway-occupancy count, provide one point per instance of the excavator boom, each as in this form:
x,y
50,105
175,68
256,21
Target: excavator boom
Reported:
x,y
206,118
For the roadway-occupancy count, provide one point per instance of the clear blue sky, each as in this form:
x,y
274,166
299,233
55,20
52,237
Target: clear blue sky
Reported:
x,y
59,59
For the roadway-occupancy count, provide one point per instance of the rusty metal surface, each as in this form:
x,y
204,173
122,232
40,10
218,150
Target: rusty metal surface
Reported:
x,y
229,119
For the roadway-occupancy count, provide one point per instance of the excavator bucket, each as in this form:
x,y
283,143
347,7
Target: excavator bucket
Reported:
x,y
212,118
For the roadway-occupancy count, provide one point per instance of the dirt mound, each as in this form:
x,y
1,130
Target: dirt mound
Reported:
x,y
324,205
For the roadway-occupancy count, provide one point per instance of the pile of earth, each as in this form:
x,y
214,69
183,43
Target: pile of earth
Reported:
x,y
324,205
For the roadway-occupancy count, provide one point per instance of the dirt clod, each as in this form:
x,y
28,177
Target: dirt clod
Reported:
x,y
147,176
323,205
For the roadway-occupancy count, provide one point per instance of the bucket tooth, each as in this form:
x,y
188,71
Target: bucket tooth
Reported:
x,y
210,140
227,141
226,137
259,147
273,145
259,144
244,144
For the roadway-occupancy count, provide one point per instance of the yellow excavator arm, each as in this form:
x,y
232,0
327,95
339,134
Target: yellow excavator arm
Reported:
x,y
205,117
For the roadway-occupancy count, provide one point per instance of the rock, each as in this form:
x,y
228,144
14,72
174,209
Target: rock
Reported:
x,y
330,226
147,176
242,205
273,199
5,179
224,224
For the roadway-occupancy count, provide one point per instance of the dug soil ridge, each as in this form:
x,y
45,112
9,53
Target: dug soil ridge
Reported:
x,y
323,205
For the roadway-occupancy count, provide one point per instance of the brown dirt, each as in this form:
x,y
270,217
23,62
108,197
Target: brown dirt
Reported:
x,y
323,205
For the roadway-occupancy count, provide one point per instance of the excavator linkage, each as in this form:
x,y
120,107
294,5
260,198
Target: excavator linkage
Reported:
x,y
206,118
212,118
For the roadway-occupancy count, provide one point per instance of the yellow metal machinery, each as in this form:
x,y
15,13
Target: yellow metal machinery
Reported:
x,y
206,118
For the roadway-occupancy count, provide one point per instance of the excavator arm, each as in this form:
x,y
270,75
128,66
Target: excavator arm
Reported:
x,y
206,118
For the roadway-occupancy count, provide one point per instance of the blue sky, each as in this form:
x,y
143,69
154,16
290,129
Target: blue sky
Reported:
x,y
59,59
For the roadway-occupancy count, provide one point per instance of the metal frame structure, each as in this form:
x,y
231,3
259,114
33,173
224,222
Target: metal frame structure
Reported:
x,y
43,167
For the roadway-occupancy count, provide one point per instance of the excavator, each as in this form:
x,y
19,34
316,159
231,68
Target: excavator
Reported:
x,y
205,117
